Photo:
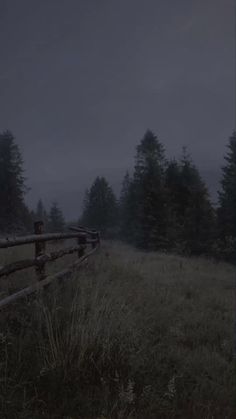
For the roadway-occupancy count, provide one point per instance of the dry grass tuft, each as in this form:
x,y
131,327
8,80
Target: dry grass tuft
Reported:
x,y
133,335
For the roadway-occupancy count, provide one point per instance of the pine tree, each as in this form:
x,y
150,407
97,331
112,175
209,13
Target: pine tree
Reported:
x,y
227,195
100,207
40,210
27,220
227,208
174,209
12,185
33,218
56,219
125,189
126,208
149,195
195,212
41,214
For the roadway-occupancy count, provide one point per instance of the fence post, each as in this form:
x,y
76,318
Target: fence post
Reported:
x,y
39,250
82,240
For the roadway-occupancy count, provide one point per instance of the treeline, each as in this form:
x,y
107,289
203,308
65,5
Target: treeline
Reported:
x,y
165,204
15,217
53,220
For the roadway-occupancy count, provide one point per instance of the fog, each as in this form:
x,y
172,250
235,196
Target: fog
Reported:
x,y
81,81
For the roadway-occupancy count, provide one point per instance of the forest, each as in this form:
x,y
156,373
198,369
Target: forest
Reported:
x,y
163,205
144,329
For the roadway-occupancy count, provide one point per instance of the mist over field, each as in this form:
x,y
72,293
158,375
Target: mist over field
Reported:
x,y
81,82
70,192
117,209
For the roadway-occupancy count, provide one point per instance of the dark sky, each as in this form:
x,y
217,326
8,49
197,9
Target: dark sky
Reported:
x,y
82,80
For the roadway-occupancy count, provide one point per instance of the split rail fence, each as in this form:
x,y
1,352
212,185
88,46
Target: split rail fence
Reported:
x,y
84,237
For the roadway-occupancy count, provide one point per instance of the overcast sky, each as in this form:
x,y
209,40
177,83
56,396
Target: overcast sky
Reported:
x,y
82,80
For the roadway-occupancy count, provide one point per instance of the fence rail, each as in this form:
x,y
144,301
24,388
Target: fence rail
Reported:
x,y
34,238
84,238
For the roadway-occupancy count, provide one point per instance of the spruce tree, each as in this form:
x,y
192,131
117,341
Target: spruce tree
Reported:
x,y
227,195
126,208
40,210
41,214
125,189
27,221
174,208
12,185
227,205
56,219
195,212
100,210
149,194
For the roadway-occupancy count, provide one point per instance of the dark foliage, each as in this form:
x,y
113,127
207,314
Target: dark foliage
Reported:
x,y
165,205
227,200
100,208
14,215
41,215
56,222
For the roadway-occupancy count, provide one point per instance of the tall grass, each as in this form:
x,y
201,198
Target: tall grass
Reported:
x,y
21,279
132,335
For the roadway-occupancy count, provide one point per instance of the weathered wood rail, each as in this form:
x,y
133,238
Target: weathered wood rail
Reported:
x,y
84,238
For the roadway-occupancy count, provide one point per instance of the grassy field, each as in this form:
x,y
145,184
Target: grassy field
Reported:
x,y
132,335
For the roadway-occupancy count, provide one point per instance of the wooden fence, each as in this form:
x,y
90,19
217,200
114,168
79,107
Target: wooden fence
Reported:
x,y
83,236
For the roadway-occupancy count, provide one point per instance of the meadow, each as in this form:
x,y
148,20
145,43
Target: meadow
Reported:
x,y
131,335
